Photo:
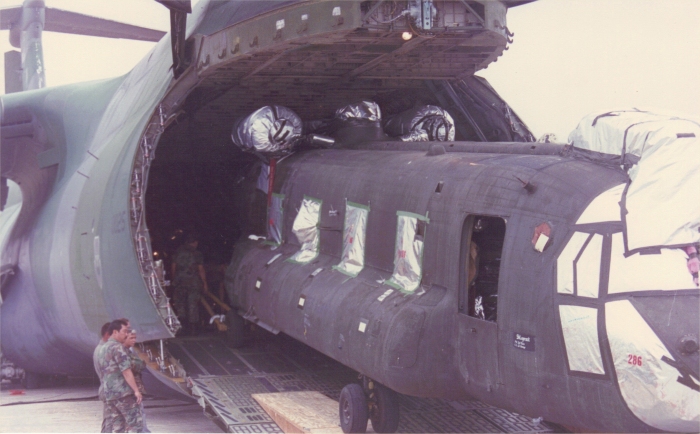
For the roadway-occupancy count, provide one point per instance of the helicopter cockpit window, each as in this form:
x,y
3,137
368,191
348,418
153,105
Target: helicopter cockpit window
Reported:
x,y
481,262
408,252
306,229
352,260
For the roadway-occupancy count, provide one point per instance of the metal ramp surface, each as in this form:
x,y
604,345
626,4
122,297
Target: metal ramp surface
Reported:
x,y
225,378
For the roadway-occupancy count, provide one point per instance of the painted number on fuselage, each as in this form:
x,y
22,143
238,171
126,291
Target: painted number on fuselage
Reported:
x,y
634,360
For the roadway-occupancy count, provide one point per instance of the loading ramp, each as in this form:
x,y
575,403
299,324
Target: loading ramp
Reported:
x,y
224,380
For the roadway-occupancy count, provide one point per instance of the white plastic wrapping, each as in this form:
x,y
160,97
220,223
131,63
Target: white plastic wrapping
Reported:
x,y
663,199
649,385
263,182
268,130
422,124
662,154
565,263
604,208
588,268
353,259
666,271
361,111
408,253
275,215
579,326
307,231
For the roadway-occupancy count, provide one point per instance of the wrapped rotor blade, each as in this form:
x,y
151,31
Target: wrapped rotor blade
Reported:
x,y
422,124
364,111
270,130
353,124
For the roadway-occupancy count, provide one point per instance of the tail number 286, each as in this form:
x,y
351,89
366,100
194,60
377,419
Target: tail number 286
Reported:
x,y
634,360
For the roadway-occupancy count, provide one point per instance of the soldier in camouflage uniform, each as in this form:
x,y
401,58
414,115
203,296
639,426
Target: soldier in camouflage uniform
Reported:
x,y
122,397
137,367
104,333
189,278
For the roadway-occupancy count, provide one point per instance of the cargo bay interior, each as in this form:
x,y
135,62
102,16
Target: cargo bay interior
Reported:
x,y
200,181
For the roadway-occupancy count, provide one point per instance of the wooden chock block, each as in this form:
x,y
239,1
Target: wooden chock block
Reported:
x,y
301,412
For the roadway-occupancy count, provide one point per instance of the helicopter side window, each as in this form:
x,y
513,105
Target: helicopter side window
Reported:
x,y
408,252
482,246
352,260
306,229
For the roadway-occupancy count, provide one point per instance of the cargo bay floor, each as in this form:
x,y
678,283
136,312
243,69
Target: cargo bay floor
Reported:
x,y
226,378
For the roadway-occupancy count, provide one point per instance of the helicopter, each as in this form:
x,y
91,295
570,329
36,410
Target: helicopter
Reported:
x,y
109,170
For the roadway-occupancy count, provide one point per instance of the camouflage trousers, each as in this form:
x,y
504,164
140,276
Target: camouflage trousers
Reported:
x,y
186,299
123,415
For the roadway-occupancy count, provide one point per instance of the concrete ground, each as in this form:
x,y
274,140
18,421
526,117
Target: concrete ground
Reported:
x,y
73,407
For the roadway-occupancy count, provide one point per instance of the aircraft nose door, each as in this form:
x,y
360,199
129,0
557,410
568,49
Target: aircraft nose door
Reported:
x,y
480,263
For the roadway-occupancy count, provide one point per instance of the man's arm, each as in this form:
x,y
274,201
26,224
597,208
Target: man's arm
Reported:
x,y
203,276
131,381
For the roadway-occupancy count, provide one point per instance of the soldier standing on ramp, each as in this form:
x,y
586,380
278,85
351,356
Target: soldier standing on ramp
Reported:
x,y
122,411
189,278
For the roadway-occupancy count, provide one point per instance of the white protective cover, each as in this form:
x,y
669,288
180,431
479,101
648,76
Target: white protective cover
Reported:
x,y
663,199
579,326
648,384
408,254
306,229
268,130
565,262
353,258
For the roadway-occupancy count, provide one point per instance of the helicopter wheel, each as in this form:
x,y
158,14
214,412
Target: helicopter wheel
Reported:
x,y
384,409
353,409
235,332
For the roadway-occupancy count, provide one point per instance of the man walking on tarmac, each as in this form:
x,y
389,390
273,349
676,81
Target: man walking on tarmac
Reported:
x,y
189,278
122,411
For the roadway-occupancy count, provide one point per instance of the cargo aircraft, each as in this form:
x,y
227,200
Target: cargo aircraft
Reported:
x,y
482,265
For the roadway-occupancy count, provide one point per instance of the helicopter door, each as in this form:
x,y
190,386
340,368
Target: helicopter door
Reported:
x,y
480,263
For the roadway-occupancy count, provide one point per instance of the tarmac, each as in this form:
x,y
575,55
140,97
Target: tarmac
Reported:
x,y
73,407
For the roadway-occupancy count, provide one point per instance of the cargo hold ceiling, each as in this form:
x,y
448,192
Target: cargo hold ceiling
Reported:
x,y
316,56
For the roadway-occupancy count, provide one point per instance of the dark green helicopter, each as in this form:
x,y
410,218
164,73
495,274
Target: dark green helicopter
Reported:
x,y
109,170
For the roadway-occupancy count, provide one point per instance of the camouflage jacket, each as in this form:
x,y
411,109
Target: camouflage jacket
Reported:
x,y
137,366
112,360
95,361
187,260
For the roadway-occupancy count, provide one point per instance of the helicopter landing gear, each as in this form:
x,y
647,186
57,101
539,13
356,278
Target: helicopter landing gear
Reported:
x,y
353,409
383,404
371,401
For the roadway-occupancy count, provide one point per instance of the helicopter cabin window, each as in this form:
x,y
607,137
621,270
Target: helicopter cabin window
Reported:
x,y
275,214
408,252
306,229
352,260
482,247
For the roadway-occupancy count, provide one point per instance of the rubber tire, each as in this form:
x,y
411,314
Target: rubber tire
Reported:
x,y
236,329
352,409
385,415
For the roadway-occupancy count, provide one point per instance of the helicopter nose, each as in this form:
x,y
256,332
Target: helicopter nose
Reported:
x,y
656,369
